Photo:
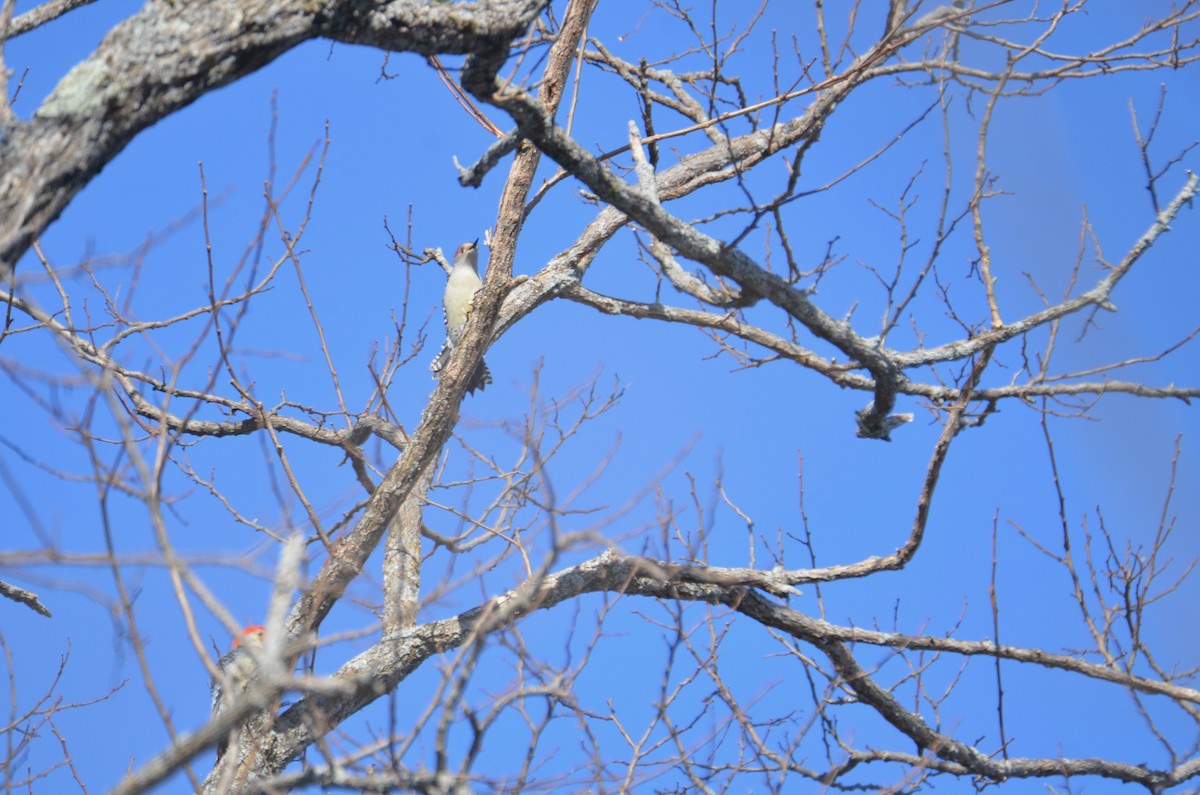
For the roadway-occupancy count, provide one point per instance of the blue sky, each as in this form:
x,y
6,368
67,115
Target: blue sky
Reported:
x,y
683,410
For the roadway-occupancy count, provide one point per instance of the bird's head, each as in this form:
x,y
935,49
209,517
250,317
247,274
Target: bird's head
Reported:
x,y
251,634
467,250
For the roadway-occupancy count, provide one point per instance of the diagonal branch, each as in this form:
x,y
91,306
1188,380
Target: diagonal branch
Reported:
x,y
538,126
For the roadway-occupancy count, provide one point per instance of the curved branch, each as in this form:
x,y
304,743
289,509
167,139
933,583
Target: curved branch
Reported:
x,y
168,55
379,669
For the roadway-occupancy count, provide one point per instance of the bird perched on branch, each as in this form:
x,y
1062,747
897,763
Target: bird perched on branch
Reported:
x,y
461,287
237,670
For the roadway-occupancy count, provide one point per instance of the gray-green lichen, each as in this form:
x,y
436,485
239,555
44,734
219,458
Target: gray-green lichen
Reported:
x,y
79,92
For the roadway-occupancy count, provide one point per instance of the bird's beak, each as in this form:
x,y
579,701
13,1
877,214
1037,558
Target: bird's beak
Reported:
x,y
475,244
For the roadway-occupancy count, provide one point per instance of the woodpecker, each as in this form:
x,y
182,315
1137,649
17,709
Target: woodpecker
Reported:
x,y
237,669
461,287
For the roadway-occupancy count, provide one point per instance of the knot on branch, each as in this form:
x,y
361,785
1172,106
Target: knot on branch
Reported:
x,y
874,424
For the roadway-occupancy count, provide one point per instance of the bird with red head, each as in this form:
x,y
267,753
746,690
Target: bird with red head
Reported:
x,y
237,670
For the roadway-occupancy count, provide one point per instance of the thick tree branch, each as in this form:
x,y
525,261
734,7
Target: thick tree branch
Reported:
x,y
379,669
170,54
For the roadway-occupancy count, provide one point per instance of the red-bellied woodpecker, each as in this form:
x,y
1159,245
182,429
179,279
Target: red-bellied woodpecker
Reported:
x,y
461,287
237,669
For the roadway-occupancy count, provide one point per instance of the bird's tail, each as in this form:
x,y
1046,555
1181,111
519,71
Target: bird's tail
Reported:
x,y
479,379
443,359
